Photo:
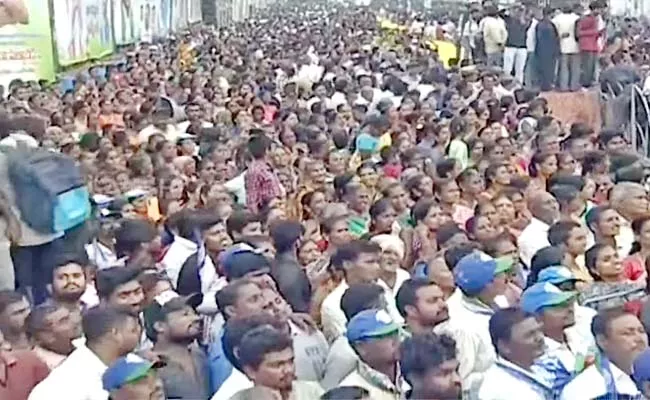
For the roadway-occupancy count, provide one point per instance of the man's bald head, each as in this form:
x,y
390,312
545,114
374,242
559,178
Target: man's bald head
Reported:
x,y
630,199
544,207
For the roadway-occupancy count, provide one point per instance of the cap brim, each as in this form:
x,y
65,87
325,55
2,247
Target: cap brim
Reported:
x,y
504,264
139,372
560,298
560,280
383,332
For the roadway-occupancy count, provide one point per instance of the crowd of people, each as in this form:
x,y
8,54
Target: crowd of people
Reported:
x,y
557,48
292,209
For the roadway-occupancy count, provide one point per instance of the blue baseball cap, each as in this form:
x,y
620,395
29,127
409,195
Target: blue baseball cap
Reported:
x,y
241,260
370,324
641,368
477,270
541,295
556,275
127,370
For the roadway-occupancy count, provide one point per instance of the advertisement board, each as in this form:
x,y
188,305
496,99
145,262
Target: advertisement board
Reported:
x,y
124,21
149,19
165,16
82,30
180,9
25,41
194,14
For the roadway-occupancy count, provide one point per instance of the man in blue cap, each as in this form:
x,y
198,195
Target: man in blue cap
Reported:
x,y
565,280
374,336
133,377
565,347
482,281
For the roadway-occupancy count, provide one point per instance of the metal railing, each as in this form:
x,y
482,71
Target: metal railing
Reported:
x,y
638,130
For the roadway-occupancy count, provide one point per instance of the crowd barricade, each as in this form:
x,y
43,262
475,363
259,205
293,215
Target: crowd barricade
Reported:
x,y
638,128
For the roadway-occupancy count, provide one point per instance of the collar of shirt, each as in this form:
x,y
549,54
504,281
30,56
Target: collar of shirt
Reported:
x,y
49,357
538,224
516,371
378,379
476,306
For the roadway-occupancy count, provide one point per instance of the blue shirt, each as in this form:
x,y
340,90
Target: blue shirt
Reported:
x,y
219,367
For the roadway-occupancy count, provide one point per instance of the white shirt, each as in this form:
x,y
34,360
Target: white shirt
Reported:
x,y
332,315
236,382
402,276
533,238
425,90
170,133
79,377
469,326
337,99
182,127
507,381
530,36
591,384
179,251
566,24
237,186
100,255
624,239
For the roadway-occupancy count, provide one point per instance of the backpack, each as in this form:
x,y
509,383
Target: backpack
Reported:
x,y
50,190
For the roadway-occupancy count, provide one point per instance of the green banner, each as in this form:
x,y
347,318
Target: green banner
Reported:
x,y
82,30
25,41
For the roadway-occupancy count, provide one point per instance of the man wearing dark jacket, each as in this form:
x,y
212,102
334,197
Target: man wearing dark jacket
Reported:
x,y
292,280
547,50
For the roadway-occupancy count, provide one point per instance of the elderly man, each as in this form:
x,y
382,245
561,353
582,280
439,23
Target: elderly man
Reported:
x,y
631,201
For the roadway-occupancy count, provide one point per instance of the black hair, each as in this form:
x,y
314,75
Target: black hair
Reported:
x,y
591,258
194,222
607,135
360,297
591,160
346,393
108,279
99,321
351,252
564,179
491,246
131,234
593,216
454,254
407,295
258,145
9,297
35,321
502,322
235,329
604,319
229,294
259,342
238,221
285,234
559,232
446,232
421,209
548,256
379,207
538,158
420,354
637,226
70,257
